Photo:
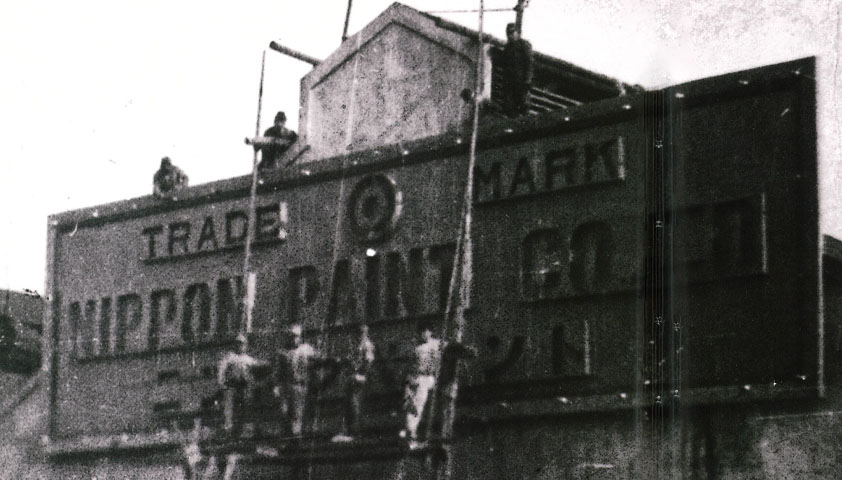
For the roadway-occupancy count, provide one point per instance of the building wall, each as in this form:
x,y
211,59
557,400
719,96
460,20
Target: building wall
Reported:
x,y
399,86
398,79
23,455
725,443
21,315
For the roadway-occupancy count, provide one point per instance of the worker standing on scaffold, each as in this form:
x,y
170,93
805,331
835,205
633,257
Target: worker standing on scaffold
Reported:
x,y
234,373
421,380
362,357
294,371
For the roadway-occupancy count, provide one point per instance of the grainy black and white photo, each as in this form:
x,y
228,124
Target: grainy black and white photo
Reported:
x,y
421,240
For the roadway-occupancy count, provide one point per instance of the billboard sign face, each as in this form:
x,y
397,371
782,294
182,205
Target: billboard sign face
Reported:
x,y
147,294
745,246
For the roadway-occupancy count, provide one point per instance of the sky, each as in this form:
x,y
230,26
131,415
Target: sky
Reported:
x,y
93,93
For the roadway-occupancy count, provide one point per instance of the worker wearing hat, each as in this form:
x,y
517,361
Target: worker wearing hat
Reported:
x,y
275,141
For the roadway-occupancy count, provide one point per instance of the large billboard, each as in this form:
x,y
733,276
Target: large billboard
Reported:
x,y
147,293
745,251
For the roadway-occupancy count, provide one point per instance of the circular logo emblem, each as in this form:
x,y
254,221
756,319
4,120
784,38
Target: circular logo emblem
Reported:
x,y
374,207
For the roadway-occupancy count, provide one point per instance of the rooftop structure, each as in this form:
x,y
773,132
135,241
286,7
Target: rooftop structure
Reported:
x,y
400,79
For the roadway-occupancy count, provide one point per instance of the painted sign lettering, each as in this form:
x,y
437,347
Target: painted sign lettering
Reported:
x,y
383,286
594,257
212,233
158,320
725,239
719,240
550,168
387,285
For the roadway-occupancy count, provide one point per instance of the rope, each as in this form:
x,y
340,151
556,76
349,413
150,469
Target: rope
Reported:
x,y
349,133
248,301
461,276
337,237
